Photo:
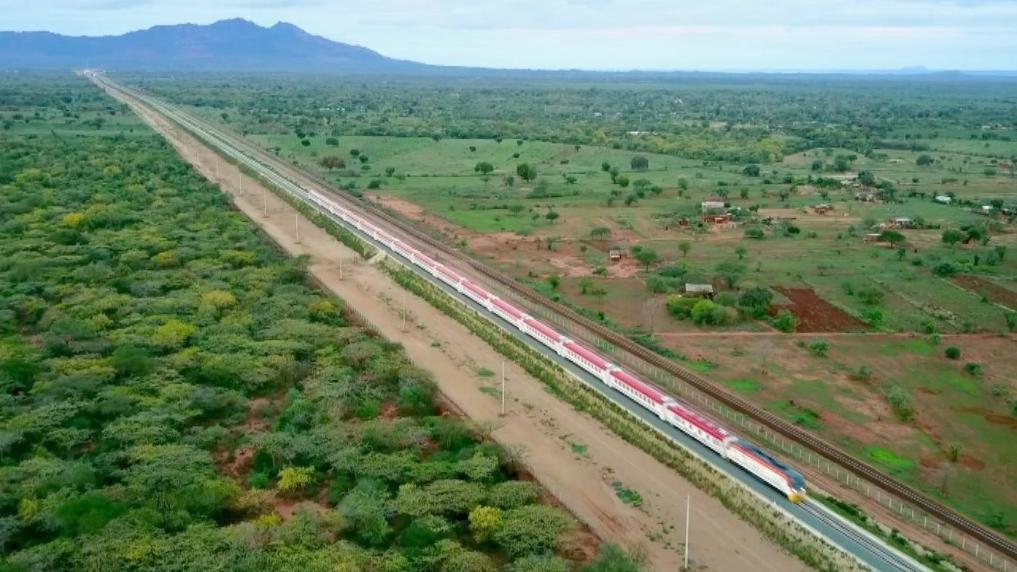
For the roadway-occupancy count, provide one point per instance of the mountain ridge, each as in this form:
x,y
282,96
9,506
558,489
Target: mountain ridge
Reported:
x,y
234,44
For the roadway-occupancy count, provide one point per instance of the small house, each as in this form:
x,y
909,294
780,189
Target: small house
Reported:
x,y
616,253
872,237
699,290
943,199
901,222
822,209
865,197
712,205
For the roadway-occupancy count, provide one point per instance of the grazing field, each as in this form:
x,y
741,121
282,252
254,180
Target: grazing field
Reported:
x,y
176,396
867,225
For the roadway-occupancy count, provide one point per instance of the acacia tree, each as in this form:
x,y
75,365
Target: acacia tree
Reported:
x,y
526,171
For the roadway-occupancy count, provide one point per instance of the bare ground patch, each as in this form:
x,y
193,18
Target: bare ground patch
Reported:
x,y
816,314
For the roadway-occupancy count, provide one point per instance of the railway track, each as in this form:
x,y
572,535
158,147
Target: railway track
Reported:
x,y
772,422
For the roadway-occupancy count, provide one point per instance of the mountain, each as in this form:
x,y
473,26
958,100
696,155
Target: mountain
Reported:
x,y
237,45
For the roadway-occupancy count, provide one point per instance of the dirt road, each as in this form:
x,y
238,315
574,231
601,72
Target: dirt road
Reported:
x,y
570,453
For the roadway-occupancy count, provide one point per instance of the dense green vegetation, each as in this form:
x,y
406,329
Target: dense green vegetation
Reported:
x,y
176,397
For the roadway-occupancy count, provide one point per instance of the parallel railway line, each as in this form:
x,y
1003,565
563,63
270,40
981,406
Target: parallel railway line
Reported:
x,y
772,422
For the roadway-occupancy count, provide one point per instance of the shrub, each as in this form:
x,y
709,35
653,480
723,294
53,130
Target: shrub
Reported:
x,y
819,348
973,368
900,401
785,321
952,352
945,269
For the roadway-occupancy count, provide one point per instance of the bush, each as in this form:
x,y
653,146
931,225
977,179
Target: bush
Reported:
x,y
680,307
945,269
900,401
819,348
702,312
973,368
755,233
952,352
785,321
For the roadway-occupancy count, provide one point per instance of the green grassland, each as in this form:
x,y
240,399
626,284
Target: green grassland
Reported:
x,y
176,396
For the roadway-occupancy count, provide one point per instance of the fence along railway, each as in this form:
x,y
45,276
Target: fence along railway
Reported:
x,y
597,333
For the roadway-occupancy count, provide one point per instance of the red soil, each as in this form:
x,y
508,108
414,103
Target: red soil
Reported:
x,y
816,314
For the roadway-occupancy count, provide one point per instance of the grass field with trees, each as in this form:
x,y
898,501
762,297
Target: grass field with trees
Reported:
x,y
175,396
855,311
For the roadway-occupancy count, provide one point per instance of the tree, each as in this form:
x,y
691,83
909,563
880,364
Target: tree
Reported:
x,y
891,236
639,163
952,236
600,233
332,141
532,529
924,161
647,257
526,171
952,352
752,170
622,181
867,178
294,478
485,521
554,281
585,283
332,162
552,216
741,251
605,166
755,233
685,246
483,167
731,271
755,301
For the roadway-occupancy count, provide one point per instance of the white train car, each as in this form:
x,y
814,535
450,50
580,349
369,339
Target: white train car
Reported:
x,y
587,359
448,277
641,392
543,333
767,468
508,312
700,428
477,294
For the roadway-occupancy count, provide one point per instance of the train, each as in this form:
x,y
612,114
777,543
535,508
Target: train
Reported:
x,y
714,436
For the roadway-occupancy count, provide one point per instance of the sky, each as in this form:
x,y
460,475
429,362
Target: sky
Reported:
x,y
724,35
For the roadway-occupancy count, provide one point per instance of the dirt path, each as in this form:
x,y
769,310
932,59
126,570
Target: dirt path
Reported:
x,y
569,453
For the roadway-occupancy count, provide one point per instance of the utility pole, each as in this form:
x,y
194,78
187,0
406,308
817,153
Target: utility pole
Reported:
x,y
217,167
240,174
503,387
688,509
340,266
404,309
264,198
296,225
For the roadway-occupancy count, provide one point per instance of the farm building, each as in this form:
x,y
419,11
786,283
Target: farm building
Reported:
x,y
944,199
700,290
872,237
616,252
822,209
717,218
901,222
865,197
712,205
